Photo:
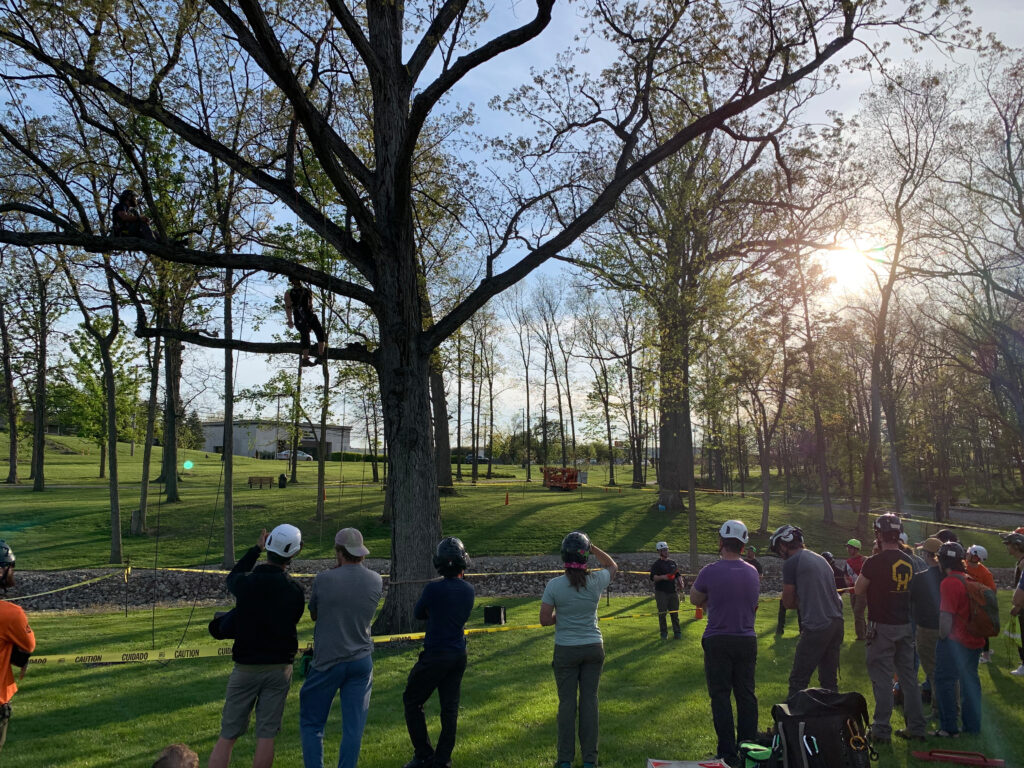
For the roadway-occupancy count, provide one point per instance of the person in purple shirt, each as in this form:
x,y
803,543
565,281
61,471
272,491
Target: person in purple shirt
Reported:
x,y
446,606
730,588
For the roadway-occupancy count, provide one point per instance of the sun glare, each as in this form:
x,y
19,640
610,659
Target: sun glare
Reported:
x,y
850,268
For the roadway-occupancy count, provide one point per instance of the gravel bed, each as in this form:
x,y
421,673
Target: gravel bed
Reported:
x,y
146,587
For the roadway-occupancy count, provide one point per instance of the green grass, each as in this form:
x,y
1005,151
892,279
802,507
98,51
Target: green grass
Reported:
x,y
69,524
653,695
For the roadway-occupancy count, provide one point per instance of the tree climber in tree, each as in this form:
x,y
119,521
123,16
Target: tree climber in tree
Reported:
x,y
298,307
127,220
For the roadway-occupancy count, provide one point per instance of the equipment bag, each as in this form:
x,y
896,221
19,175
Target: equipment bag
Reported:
x,y
983,616
819,728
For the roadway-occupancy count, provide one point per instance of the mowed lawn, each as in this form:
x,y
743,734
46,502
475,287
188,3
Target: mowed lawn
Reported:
x,y
68,525
653,695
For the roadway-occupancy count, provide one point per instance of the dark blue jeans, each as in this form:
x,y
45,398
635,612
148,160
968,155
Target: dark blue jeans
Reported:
x,y
957,663
440,670
729,662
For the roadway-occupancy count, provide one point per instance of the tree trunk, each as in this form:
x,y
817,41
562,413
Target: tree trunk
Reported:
x,y
110,387
228,440
10,400
39,404
675,436
139,525
439,406
172,408
412,496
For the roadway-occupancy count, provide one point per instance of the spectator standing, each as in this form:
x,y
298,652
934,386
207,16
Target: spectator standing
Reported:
x,y
958,652
667,583
924,610
1015,548
750,556
976,569
854,562
885,581
268,606
570,604
17,641
341,604
838,573
808,584
730,587
445,605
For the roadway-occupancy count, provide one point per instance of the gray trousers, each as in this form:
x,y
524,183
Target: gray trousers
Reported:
x,y
667,601
891,650
577,671
818,649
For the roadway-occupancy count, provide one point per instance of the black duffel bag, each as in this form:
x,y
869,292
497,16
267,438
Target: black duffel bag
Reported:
x,y
819,728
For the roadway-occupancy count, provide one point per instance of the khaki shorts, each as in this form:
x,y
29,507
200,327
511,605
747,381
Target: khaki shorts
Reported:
x,y
263,686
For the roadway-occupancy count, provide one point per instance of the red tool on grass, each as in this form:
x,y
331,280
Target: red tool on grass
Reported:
x,y
960,758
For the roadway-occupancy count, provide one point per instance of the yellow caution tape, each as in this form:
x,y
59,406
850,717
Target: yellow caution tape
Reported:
x,y
61,589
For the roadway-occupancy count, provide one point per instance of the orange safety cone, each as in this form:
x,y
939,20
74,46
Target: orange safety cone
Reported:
x,y
506,498
698,614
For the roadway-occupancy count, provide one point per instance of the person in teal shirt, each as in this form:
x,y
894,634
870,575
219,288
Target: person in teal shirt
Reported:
x,y
570,604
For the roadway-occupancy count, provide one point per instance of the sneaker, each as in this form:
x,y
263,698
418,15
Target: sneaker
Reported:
x,y
1019,671
664,636
985,657
677,636
307,363
945,734
420,762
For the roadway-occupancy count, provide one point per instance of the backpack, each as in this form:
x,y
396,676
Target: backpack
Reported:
x,y
819,728
983,609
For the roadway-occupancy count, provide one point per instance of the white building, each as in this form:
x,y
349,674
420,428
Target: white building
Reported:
x,y
263,438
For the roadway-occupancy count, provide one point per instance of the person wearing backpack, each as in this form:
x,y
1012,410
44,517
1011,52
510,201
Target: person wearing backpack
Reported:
x,y
959,649
885,582
976,557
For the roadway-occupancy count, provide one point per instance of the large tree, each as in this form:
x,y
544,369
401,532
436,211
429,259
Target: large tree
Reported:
x,y
319,67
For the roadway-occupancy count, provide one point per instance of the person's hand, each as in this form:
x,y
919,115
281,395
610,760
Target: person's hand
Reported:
x,y
261,542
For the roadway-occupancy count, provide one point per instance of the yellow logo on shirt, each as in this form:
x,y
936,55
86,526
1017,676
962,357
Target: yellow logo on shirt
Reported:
x,y
902,573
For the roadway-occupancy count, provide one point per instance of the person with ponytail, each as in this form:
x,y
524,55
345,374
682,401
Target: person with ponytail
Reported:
x,y
570,605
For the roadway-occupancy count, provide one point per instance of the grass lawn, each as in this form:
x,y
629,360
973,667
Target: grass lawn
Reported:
x,y
68,525
653,695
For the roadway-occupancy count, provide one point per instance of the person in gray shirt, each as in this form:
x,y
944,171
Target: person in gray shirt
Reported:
x,y
343,602
808,584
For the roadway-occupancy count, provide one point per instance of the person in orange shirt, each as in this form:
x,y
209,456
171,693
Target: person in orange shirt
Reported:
x,y
976,555
16,641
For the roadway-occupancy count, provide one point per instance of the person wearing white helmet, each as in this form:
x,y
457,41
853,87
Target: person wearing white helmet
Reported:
x,y
808,585
730,587
667,584
976,569
16,641
268,606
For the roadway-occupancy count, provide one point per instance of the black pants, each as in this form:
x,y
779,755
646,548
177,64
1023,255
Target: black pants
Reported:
x,y
304,323
817,650
441,670
729,662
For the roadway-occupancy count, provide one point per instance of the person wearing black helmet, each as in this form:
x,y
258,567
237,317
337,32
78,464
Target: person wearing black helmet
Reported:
x,y
127,221
446,606
342,604
569,604
1014,542
885,581
958,650
808,584
16,641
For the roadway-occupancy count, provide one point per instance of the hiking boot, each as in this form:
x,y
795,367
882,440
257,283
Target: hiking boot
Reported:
x,y
420,762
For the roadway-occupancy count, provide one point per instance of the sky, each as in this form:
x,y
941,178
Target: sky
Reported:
x,y
515,67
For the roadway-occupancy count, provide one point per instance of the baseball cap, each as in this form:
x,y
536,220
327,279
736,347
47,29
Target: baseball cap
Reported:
x,y
352,540
930,545
855,543
661,545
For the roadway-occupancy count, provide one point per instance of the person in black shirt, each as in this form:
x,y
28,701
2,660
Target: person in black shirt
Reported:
x,y
667,582
127,221
445,605
298,307
268,606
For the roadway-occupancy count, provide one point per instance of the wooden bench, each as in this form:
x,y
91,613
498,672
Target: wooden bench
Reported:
x,y
260,480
